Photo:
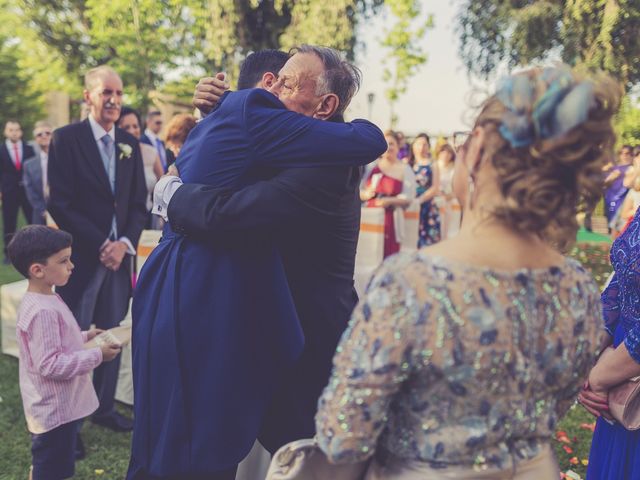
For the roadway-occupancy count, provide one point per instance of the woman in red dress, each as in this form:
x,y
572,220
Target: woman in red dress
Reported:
x,y
390,185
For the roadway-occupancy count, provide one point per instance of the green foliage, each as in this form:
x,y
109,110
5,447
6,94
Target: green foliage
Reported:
x,y
594,33
405,53
151,42
627,122
20,100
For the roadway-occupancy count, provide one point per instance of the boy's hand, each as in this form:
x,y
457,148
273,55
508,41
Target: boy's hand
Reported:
x,y
91,334
109,351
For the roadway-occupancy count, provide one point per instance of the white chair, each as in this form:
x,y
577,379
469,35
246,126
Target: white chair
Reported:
x,y
10,297
411,228
370,250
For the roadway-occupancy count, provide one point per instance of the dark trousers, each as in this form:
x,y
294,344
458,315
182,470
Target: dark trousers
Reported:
x,y
12,200
104,303
226,475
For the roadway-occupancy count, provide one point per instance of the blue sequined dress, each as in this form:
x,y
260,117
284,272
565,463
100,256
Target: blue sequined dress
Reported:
x,y
615,452
448,364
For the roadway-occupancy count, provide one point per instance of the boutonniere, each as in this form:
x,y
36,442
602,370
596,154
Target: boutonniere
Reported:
x,y
125,151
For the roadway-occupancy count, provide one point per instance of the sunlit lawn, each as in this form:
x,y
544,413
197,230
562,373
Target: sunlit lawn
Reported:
x,y
108,452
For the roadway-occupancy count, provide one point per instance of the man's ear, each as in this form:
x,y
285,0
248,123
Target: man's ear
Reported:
x,y
328,107
268,79
86,94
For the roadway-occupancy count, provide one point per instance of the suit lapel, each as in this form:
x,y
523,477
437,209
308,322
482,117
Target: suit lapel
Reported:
x,y
92,155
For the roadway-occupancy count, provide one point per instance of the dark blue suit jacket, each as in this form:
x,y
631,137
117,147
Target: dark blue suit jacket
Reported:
x,y
215,326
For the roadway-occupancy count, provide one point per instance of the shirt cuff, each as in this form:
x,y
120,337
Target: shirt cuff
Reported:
x,y
162,194
127,242
85,335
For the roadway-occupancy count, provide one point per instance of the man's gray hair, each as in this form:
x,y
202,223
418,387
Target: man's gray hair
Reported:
x,y
92,77
340,76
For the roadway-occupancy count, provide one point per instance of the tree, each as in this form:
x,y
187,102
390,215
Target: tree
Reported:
x,y
19,101
405,54
627,122
593,33
222,32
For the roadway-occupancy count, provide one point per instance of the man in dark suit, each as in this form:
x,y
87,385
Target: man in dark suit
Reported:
x,y
35,172
98,193
12,156
209,353
151,136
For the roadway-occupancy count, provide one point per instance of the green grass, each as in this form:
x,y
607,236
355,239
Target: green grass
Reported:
x,y
108,452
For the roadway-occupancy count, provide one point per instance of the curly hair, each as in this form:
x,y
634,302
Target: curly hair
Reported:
x,y
545,184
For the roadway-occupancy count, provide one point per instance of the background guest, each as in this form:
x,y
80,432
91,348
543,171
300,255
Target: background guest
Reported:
x,y
98,194
615,189
36,185
615,451
151,136
177,130
391,185
13,153
129,121
428,181
454,364
450,210
403,146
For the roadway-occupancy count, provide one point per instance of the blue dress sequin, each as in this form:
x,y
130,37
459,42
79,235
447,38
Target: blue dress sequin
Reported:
x,y
615,451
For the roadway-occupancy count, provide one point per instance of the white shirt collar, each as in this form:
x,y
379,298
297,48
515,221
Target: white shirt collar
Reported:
x,y
99,132
152,136
10,144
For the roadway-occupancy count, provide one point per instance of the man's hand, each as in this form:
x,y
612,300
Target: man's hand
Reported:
x,y
112,254
208,92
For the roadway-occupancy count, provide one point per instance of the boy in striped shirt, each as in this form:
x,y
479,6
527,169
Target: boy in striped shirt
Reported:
x,y
55,368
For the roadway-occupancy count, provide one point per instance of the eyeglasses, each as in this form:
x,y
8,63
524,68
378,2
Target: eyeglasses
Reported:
x,y
43,134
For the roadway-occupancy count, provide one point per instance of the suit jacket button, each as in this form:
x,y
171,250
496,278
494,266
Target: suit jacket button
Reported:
x,y
115,204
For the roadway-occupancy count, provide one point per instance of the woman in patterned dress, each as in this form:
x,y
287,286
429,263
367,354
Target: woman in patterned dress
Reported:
x,y
390,185
461,358
428,181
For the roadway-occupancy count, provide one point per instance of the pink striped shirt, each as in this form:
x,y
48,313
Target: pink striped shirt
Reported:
x,y
55,369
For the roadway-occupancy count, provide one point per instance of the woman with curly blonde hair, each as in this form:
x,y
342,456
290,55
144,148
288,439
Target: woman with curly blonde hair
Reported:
x,y
461,357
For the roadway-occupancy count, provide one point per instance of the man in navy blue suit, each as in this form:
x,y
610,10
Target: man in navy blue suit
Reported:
x,y
216,331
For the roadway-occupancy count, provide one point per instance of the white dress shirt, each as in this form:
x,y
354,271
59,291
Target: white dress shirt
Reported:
x,y
98,133
163,193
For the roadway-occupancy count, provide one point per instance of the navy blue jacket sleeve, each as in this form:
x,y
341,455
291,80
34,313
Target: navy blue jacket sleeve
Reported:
x,y
285,139
292,195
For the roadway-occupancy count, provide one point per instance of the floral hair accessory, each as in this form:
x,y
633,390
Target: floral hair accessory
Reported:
x,y
563,105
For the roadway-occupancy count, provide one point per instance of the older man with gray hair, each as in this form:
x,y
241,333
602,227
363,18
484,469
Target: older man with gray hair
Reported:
x,y
98,195
254,340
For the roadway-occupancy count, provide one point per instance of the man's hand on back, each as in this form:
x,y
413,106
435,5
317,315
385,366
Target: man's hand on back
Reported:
x,y
208,92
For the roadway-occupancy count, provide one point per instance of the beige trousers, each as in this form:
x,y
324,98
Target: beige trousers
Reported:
x,y
541,467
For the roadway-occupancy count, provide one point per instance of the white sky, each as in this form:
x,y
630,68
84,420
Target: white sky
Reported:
x,y
439,97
